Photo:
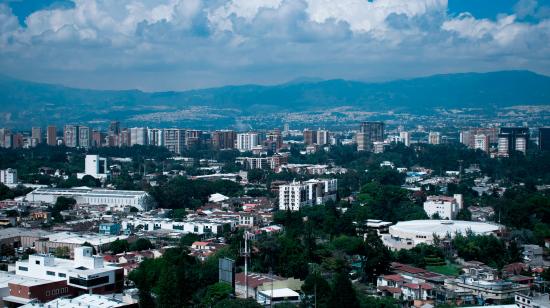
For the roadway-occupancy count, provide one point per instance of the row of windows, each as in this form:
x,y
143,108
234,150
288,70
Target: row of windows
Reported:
x,y
57,291
89,283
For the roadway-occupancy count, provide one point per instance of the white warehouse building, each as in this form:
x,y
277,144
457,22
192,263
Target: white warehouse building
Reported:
x,y
408,234
85,195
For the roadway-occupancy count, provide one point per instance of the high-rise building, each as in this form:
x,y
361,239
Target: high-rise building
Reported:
x,y
544,138
36,134
155,136
481,142
512,139
138,136
310,137
114,128
51,135
323,137
274,140
193,137
369,132
246,141
405,138
224,139
70,136
97,138
18,140
4,134
124,138
295,195
84,137
174,140
434,138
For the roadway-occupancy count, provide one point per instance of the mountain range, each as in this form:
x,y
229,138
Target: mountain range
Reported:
x,y
23,102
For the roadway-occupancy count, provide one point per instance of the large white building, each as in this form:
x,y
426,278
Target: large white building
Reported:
x,y
155,136
86,272
405,138
434,138
444,207
247,141
212,226
295,195
8,176
481,142
138,135
408,234
94,166
174,140
85,195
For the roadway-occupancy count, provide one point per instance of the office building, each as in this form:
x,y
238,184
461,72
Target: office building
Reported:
x,y
369,132
247,141
274,140
193,138
310,137
544,138
511,139
138,136
84,137
8,176
174,140
434,138
443,207
323,137
481,142
155,136
405,138
36,134
114,128
70,136
51,135
3,133
295,195
95,166
97,138
86,273
224,139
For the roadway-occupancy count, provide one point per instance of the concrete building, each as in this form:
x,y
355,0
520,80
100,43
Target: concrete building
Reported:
x,y
295,195
512,139
408,234
224,139
174,140
95,166
323,137
85,301
92,196
36,134
155,136
70,136
247,141
9,177
4,132
86,273
434,138
443,207
405,138
84,137
369,132
210,226
138,136
481,142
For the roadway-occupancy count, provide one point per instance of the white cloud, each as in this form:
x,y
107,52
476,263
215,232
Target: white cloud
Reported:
x,y
189,43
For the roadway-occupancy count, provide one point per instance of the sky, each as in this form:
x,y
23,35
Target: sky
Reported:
x,y
157,45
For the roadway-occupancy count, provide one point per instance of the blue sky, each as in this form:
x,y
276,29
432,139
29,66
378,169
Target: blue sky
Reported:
x,y
183,44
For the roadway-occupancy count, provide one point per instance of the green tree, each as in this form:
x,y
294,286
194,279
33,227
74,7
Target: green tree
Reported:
x,y
215,293
167,293
377,257
141,244
119,246
317,291
343,294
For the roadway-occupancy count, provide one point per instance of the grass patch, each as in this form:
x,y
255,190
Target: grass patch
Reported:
x,y
449,269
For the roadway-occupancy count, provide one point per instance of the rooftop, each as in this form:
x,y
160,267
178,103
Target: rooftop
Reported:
x,y
86,300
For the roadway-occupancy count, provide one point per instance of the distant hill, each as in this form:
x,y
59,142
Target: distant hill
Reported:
x,y
26,102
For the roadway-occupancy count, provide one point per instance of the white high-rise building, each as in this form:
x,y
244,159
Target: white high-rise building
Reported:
x,y
445,207
95,166
323,137
246,141
405,138
481,142
295,195
155,137
174,140
138,135
434,138
8,176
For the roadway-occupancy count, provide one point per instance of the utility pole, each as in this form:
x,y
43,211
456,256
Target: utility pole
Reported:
x,y
246,253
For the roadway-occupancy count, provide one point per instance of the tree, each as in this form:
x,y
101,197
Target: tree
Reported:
x,y
316,290
119,246
377,257
343,294
189,238
238,303
62,252
168,294
141,244
216,292
464,214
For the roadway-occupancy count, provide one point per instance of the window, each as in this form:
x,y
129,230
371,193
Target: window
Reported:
x,y
89,283
50,273
24,268
37,262
63,275
48,293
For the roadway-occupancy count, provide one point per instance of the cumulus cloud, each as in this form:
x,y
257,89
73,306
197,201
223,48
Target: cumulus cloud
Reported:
x,y
163,44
